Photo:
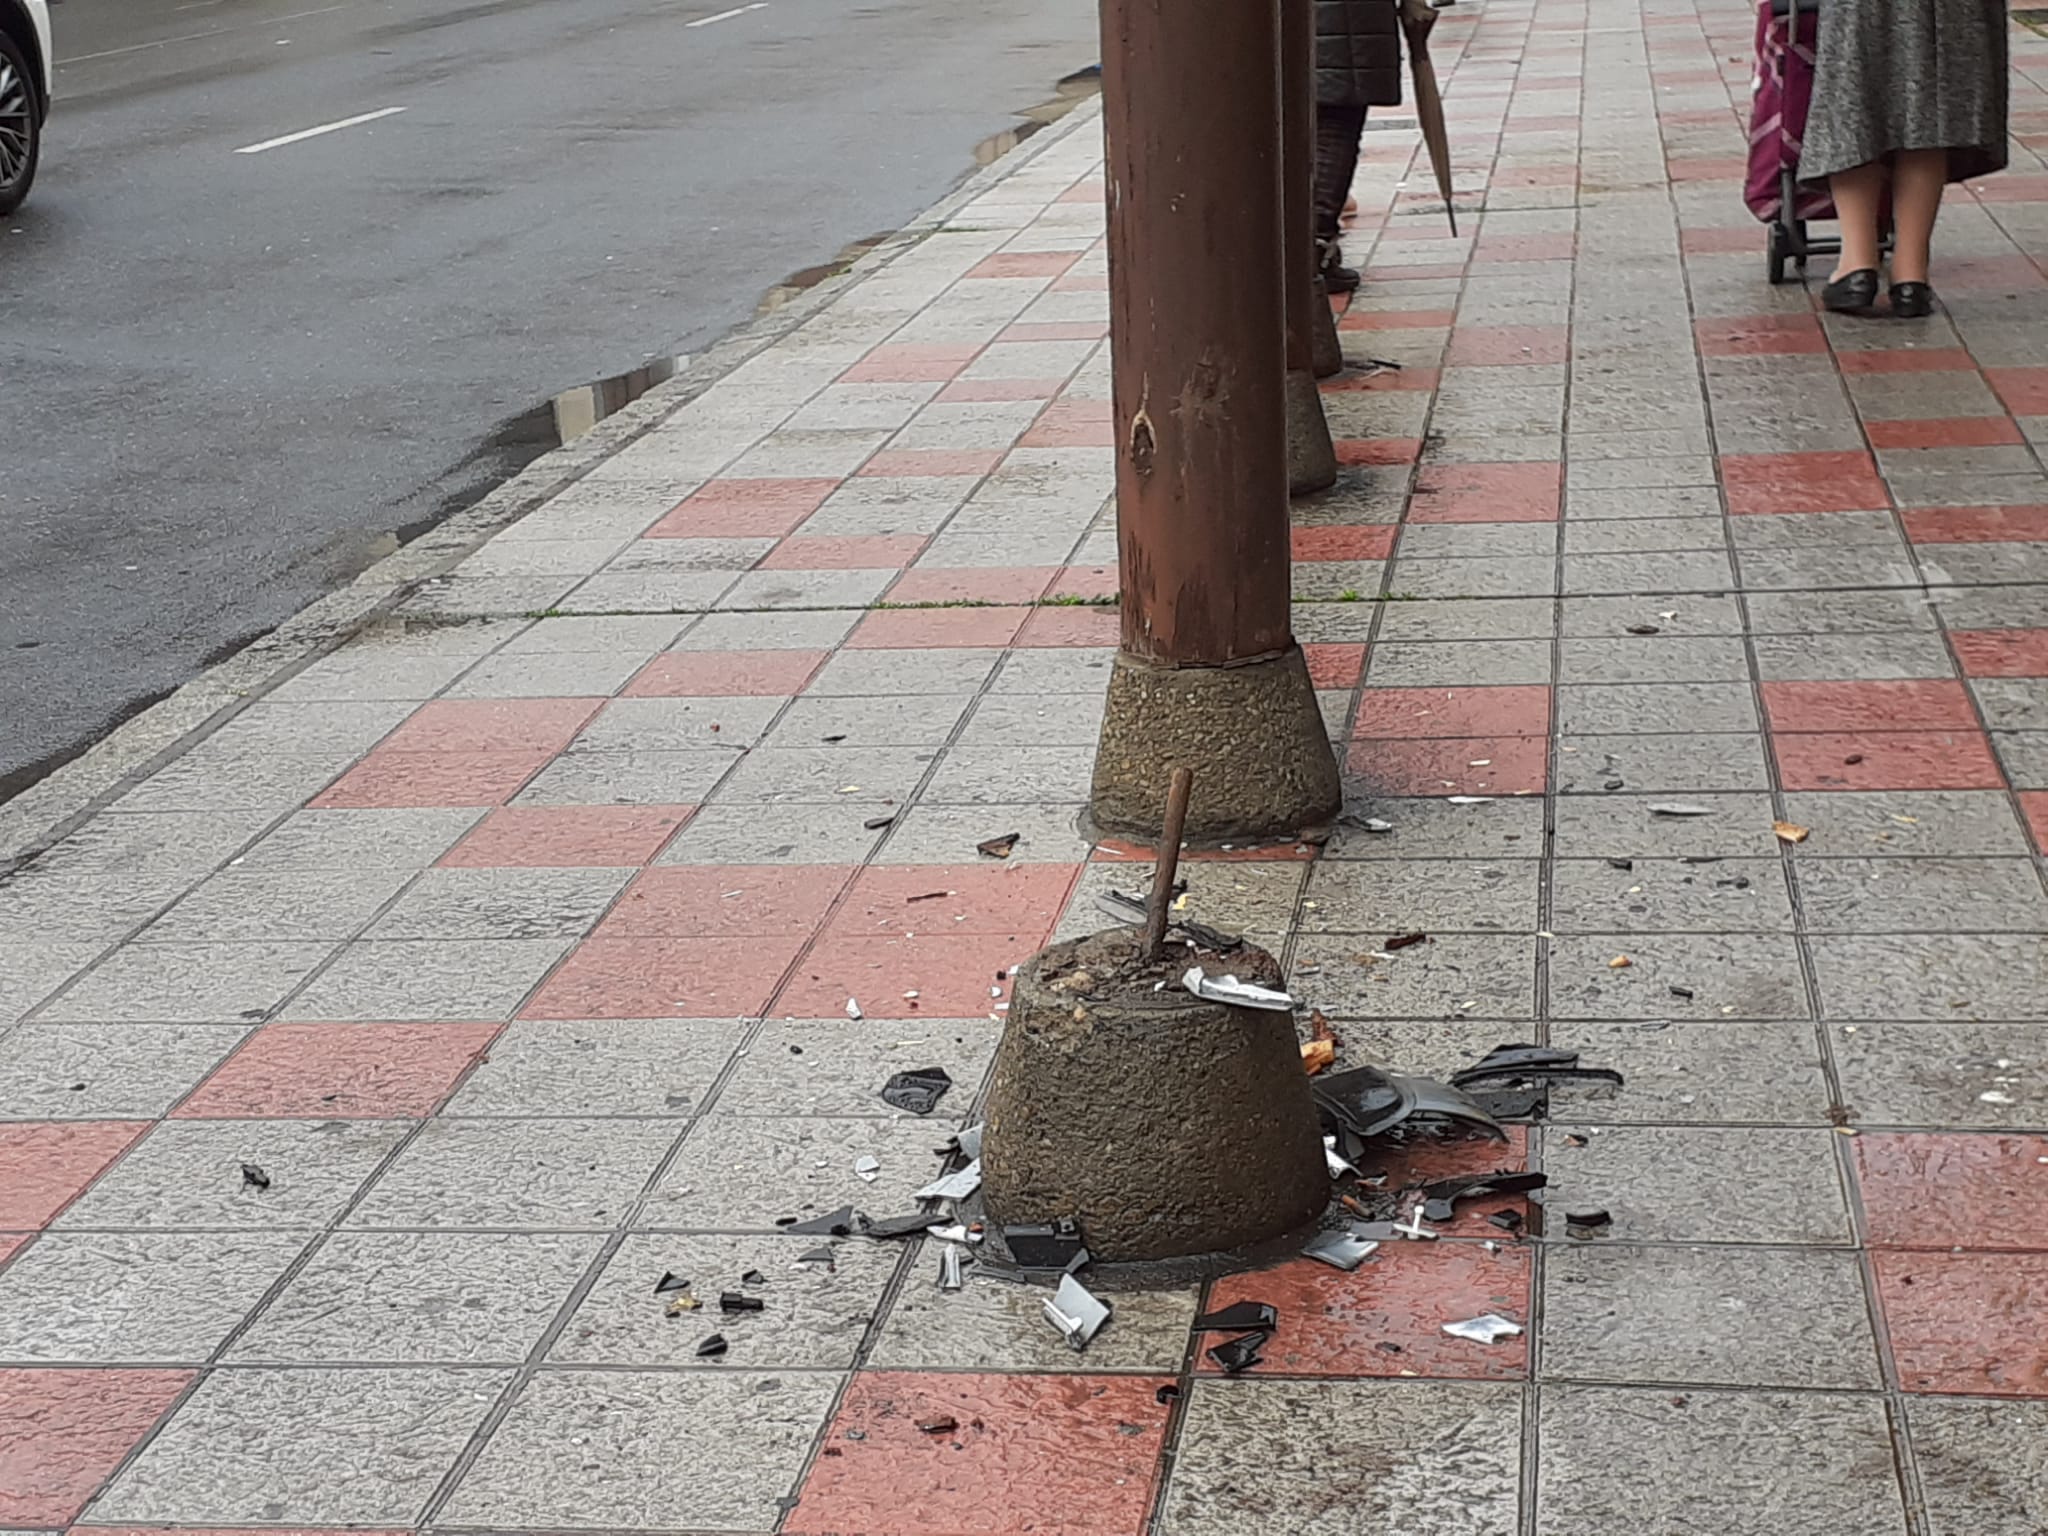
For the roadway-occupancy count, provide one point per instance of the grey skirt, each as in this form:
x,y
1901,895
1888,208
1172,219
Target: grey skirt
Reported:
x,y
1908,74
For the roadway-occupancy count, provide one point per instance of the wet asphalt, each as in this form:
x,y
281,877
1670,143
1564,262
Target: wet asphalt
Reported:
x,y
225,378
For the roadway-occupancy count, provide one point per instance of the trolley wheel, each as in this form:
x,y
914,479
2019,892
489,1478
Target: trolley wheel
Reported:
x,y
1779,252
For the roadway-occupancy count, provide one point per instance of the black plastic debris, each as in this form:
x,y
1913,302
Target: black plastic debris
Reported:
x,y
1239,1354
1643,629
1363,1102
1583,1224
1515,1103
1046,1245
1621,864
733,1301
844,1222
999,847
942,1424
917,1092
712,1347
877,823
670,1281
1520,1064
1507,1221
753,1277
890,1227
824,1256
254,1177
1440,1199
1240,1315
1683,992
1404,941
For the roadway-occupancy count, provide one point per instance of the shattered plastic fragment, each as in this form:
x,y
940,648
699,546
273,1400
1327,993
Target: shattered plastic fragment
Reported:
x,y
1340,1250
1586,1223
1374,824
1076,1313
957,1185
1237,1316
1168,1392
1240,1353
823,1256
253,1177
1046,1245
853,1009
843,1222
968,1142
1239,994
877,823
670,1281
951,1257
1488,1329
1790,831
917,1092
1679,808
712,1347
1507,1221
867,1168
1338,1165
903,1226
999,847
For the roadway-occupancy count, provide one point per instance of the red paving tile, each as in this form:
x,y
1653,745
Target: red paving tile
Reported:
x,y
1932,704
1335,666
1887,760
389,780
1426,712
1759,335
1529,176
1399,380
1487,493
2024,390
2034,806
45,1165
843,552
567,836
1802,482
743,509
679,901
12,1243
991,898
1395,319
1977,525
954,976
1044,1455
1386,1317
725,674
927,628
64,1432
1953,1189
1093,190
1351,541
1378,450
340,1071
1023,264
2012,188
2002,652
1508,345
2013,274
1708,168
910,363
691,978
1472,765
1072,424
1082,282
1721,240
976,391
1907,360
1953,432
1386,276
924,462
973,584
1070,626
1087,581
492,725
1967,1322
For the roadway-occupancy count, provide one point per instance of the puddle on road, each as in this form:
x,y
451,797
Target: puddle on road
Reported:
x,y
1071,92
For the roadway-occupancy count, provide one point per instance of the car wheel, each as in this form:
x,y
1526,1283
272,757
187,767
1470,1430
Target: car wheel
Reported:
x,y
21,127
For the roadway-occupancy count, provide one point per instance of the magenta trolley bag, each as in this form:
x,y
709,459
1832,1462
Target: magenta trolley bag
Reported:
x,y
1780,94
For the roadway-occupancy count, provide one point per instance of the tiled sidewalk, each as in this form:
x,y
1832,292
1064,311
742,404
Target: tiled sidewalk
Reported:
x,y
464,938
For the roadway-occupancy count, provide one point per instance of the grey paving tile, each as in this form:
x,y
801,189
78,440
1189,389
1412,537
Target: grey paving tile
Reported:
x,y
216,776
1857,657
795,834
1641,535
188,983
1672,765
1963,977
188,1174
1677,1072
1669,1184
1035,720
1757,1317
1000,775
1452,619
418,1298
1677,616
1433,664
1442,541
1238,897
2024,757
748,1434
402,979
1800,570
820,630
2012,703
1048,833
1669,896
719,725
1979,1471
1680,571
1925,895
1504,576
1437,895
550,674
743,1173
106,1071
135,1297
1428,1459
243,1449
381,840
573,1175
825,776
1624,827
1729,975
995,1325
1886,615
454,904
921,719
628,778
1907,823
1434,828
616,1067
624,633
1943,1073
281,904
328,725
813,1317
838,1066
1082,669
1731,1463
52,925
1700,500
2002,607
1618,709
1481,975
1696,659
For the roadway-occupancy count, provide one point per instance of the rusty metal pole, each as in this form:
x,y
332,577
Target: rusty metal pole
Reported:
x,y
1311,456
1208,672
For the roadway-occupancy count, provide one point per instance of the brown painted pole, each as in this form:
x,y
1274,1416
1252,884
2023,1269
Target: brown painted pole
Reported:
x,y
1311,457
1208,673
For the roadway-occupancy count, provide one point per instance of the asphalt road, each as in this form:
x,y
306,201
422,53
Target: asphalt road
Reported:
x,y
224,376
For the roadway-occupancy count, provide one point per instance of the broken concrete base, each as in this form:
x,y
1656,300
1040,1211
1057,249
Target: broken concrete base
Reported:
x,y
1311,456
1326,351
1169,1126
1263,766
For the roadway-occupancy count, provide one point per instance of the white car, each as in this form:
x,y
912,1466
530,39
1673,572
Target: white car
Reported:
x,y
24,94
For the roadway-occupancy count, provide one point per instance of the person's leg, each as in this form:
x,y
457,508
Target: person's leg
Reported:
x,y
1917,181
1337,134
1858,194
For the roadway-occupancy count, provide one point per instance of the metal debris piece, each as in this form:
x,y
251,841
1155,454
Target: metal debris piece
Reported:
x,y
951,1257
1238,994
999,847
1583,1224
917,1092
253,1176
1338,1165
1239,1354
1239,1315
968,1142
1790,832
1488,1329
1340,1250
1405,941
1046,1245
670,1281
1076,1313
733,1301
957,1185
843,1222
712,1347
1679,808
867,1168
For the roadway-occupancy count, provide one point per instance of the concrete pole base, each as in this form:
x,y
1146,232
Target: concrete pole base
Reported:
x,y
1311,456
1326,351
1169,1126
1263,765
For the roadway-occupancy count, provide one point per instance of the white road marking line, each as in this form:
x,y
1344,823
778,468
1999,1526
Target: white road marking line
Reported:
x,y
314,133
738,10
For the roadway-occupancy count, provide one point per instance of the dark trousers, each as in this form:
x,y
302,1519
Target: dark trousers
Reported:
x,y
1337,134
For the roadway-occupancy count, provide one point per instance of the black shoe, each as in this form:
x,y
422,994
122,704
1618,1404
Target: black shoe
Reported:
x,y
1853,293
1912,301
1338,278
